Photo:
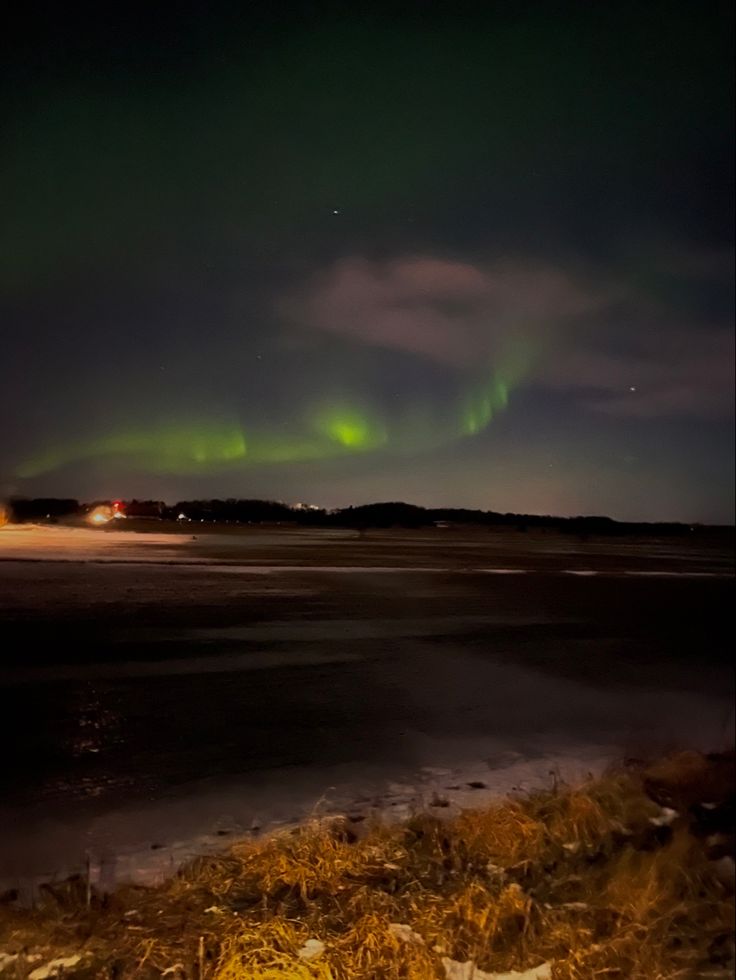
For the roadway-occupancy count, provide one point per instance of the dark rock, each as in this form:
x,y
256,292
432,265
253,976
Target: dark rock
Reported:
x,y
709,818
687,779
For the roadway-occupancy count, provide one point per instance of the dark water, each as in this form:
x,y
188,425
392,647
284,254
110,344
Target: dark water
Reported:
x,y
132,686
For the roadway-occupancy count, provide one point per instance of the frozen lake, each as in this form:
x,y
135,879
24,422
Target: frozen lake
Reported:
x,y
163,692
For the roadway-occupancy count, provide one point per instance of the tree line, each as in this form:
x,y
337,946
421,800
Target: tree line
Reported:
x,y
377,515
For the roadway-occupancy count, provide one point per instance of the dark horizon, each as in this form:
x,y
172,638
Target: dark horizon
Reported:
x,y
254,510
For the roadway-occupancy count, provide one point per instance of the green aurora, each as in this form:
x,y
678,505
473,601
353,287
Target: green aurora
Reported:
x,y
167,449
330,429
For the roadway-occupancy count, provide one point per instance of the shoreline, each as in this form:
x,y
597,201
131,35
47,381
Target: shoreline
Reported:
x,y
576,879
442,789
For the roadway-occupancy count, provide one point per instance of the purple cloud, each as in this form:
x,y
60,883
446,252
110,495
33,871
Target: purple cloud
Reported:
x,y
615,347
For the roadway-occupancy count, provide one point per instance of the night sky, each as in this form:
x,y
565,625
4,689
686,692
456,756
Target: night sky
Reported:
x,y
474,255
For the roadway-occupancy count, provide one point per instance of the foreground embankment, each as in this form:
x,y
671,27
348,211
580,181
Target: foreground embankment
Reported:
x,y
627,876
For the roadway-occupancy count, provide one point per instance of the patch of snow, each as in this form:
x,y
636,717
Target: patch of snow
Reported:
x,y
405,933
665,818
505,571
311,949
725,869
469,971
55,968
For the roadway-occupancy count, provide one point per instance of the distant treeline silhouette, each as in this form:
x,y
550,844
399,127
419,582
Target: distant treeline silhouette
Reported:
x,y
378,515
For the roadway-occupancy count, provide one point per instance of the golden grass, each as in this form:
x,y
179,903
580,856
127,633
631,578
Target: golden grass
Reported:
x,y
577,877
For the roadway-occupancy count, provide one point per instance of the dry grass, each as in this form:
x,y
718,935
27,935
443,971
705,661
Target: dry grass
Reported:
x,y
578,878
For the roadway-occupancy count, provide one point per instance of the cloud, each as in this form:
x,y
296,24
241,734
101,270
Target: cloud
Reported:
x,y
449,311
609,342
694,377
